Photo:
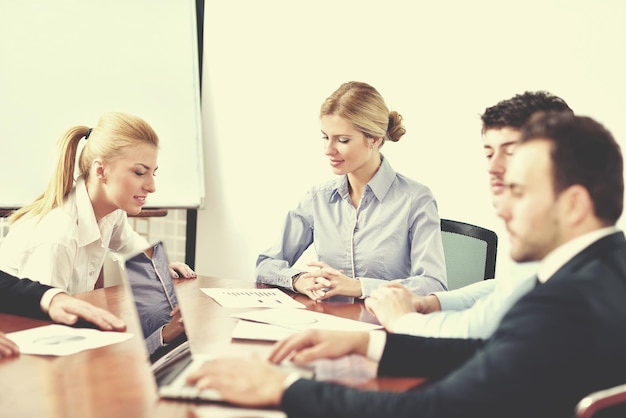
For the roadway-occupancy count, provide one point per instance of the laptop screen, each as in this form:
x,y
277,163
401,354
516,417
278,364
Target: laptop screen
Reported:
x,y
147,275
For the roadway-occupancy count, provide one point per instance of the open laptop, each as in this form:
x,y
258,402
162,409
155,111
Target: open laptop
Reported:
x,y
171,369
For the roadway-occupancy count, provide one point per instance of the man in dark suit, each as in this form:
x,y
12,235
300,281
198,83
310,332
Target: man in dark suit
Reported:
x,y
29,298
561,341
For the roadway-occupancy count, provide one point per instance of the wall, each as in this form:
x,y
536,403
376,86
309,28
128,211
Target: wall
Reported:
x,y
66,62
269,65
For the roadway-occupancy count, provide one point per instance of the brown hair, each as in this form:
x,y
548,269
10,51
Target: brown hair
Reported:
x,y
583,152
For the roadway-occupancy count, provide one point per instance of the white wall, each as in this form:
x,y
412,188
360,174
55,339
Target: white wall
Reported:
x,y
65,62
269,65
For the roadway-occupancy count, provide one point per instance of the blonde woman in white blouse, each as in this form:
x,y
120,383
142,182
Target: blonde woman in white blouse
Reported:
x,y
61,239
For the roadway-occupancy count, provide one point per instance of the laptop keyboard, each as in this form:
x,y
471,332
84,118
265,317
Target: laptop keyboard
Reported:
x,y
173,383
171,373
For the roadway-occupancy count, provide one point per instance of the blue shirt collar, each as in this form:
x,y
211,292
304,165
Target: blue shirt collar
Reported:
x,y
379,184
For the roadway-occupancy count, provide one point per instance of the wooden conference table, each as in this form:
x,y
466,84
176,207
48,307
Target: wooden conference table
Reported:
x,y
115,381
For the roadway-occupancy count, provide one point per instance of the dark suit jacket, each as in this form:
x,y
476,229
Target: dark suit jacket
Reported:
x,y
20,296
564,339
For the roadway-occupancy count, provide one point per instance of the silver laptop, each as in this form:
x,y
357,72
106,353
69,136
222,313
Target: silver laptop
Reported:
x,y
170,368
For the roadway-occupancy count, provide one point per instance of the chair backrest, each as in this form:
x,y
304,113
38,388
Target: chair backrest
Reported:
x,y
603,404
470,252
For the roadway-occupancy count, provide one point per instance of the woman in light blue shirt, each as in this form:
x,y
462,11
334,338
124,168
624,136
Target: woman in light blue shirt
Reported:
x,y
369,226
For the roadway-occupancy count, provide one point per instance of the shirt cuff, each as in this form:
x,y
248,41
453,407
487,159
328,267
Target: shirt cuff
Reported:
x,y
291,379
376,345
449,301
44,303
409,324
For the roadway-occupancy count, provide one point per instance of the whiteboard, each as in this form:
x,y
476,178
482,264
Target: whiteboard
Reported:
x,y
65,62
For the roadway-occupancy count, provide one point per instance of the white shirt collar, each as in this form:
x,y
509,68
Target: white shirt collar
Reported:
x,y
561,255
88,231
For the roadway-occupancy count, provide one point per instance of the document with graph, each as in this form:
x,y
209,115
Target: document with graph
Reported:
x,y
251,298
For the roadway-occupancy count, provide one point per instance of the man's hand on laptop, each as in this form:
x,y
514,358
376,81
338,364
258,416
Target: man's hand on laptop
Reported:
x,y
67,309
242,381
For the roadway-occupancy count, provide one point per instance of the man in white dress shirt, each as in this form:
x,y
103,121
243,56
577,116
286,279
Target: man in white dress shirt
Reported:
x,y
473,311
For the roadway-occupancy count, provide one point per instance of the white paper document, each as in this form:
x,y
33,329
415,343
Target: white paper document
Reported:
x,y
61,340
248,330
301,319
251,298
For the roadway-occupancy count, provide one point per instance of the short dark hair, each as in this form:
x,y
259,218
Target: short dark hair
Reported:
x,y
583,152
517,110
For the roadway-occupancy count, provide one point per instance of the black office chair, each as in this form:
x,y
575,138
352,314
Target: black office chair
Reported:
x,y
605,403
470,252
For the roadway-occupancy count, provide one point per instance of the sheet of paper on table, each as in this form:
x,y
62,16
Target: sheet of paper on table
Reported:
x,y
301,319
248,330
251,298
61,340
